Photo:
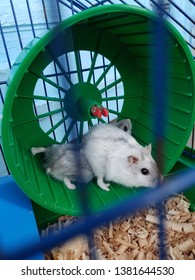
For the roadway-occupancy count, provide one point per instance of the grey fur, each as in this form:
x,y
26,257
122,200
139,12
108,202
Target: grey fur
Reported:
x,y
66,161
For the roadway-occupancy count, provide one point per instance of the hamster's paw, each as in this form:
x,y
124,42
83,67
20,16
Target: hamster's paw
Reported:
x,y
68,184
71,186
102,185
48,171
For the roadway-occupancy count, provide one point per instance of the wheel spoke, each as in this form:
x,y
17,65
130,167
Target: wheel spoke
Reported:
x,y
38,117
102,121
50,113
112,63
113,98
114,112
104,74
111,85
56,125
44,78
81,132
40,97
91,71
121,79
56,60
68,131
78,66
90,123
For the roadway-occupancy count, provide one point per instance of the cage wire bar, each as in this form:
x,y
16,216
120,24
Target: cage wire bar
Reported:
x,y
159,62
75,6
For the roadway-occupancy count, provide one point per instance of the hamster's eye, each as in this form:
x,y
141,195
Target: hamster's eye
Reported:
x,y
145,171
125,128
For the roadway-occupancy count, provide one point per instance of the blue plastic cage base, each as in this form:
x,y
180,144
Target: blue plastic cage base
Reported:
x,y
18,226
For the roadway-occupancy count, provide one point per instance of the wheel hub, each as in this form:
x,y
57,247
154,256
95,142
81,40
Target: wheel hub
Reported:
x,y
79,100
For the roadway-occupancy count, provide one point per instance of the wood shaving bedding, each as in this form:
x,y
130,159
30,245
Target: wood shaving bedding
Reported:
x,y
135,237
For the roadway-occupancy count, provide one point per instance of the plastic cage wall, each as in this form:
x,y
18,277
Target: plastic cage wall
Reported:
x,y
46,108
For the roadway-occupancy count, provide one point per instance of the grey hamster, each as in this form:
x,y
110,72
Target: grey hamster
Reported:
x,y
67,163
119,158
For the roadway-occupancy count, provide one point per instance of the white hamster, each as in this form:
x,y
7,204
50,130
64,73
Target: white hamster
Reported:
x,y
114,155
67,163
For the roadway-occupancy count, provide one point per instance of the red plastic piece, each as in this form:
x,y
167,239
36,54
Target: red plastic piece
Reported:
x,y
104,111
96,112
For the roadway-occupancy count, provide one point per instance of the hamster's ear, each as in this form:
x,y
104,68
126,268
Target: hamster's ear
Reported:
x,y
149,148
132,159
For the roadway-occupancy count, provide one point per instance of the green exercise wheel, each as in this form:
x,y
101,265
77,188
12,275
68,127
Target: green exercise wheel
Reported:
x,y
100,56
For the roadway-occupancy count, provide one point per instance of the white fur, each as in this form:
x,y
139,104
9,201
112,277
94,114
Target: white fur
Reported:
x,y
107,149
